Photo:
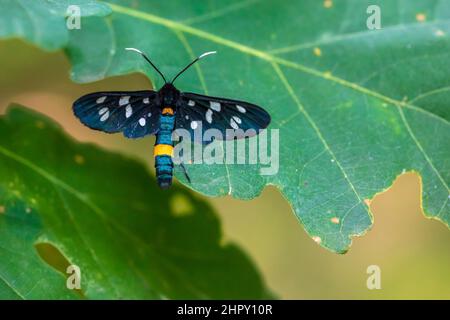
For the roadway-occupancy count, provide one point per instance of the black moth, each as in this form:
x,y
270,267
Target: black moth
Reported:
x,y
140,113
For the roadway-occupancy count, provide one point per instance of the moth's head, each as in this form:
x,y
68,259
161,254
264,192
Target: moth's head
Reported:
x,y
169,95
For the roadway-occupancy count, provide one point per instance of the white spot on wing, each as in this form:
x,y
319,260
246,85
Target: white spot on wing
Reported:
x,y
146,100
142,122
101,99
214,105
105,115
102,110
240,109
186,117
208,115
194,125
233,124
128,111
124,100
191,103
237,119
149,114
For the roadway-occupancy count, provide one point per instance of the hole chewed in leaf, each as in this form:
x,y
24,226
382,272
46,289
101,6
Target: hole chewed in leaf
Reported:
x,y
55,259
52,256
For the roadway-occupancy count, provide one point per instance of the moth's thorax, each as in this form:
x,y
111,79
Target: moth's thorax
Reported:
x,y
169,95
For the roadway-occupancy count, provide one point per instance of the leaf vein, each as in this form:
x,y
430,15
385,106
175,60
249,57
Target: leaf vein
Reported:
x,y
314,126
429,93
11,287
350,36
419,146
220,12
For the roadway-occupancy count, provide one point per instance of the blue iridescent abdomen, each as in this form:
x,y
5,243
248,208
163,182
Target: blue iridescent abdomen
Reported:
x,y
163,149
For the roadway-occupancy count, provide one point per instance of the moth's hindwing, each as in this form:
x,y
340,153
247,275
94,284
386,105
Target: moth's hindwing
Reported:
x,y
194,110
136,113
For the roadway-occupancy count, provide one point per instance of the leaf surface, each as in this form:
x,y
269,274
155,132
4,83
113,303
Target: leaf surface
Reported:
x,y
355,107
106,215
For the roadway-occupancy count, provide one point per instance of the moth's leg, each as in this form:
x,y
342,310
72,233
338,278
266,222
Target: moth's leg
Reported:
x,y
185,172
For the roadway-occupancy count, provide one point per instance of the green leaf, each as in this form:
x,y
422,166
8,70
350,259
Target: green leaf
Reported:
x,y
355,107
105,214
23,275
43,23
352,105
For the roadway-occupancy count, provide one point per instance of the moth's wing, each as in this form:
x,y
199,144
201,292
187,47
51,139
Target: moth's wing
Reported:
x,y
220,114
136,113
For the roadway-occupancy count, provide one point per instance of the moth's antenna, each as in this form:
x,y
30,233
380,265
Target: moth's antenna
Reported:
x,y
190,64
148,60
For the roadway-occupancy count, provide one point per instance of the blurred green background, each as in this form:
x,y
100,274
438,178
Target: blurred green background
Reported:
x,y
412,252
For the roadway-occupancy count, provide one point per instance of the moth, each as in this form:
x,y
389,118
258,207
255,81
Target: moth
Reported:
x,y
148,112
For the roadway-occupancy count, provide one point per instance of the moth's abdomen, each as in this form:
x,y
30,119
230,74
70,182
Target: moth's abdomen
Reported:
x,y
163,150
164,168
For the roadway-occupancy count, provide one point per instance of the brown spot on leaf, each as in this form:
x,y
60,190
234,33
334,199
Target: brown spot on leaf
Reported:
x,y
335,220
421,17
317,239
79,159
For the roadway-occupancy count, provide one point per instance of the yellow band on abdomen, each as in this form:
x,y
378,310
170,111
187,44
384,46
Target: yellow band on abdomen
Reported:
x,y
167,110
163,150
